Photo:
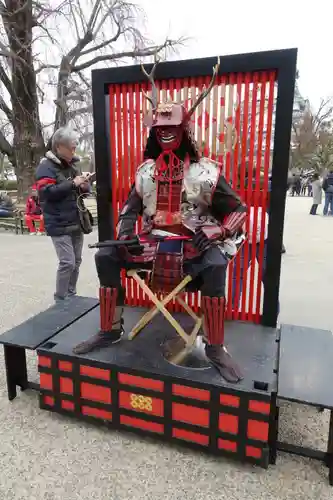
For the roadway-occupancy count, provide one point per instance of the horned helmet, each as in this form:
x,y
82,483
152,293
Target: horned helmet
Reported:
x,y
171,120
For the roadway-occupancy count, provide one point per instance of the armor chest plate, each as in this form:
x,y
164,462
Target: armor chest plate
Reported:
x,y
197,188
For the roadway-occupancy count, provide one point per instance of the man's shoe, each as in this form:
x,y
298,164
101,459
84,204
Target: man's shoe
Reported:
x,y
58,299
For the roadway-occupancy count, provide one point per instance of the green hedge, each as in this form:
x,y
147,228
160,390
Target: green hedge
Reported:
x,y
8,185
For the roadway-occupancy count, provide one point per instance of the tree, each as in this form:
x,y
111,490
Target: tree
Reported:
x,y
312,134
47,52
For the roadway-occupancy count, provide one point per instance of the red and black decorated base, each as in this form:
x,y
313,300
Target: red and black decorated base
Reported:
x,y
132,386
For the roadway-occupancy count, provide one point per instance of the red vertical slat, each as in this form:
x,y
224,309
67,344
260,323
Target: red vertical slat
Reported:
x,y
177,85
222,81
118,139
113,155
231,81
144,107
245,141
119,126
250,179
132,166
257,194
228,175
126,165
269,119
206,119
196,83
138,159
236,180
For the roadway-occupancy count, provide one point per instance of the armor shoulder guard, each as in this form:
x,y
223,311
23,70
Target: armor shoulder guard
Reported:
x,y
201,179
225,200
144,175
207,170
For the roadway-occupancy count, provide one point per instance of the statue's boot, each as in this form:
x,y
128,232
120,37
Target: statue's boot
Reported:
x,y
223,362
111,323
214,312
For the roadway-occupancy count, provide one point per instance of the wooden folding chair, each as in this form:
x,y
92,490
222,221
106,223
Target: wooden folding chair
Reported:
x,y
171,288
166,279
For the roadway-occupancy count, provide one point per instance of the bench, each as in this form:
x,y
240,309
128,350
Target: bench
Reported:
x,y
305,377
15,223
34,332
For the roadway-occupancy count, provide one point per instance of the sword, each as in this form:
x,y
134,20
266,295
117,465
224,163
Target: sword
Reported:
x,y
137,242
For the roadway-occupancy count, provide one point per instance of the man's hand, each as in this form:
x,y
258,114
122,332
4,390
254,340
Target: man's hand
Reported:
x,y
206,235
79,180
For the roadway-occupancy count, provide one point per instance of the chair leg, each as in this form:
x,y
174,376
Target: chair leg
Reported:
x,y
160,305
146,318
187,308
197,319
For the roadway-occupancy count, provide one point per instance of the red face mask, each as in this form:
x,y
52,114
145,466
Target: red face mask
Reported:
x,y
169,137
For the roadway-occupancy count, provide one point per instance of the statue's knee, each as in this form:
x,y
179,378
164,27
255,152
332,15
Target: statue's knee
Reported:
x,y
106,255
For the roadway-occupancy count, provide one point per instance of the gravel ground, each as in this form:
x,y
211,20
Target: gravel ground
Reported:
x,y
46,456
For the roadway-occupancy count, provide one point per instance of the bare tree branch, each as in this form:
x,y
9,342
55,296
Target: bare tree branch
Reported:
x,y
5,147
4,78
149,51
6,109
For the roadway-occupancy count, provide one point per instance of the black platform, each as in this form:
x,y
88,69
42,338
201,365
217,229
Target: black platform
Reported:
x,y
35,331
253,346
306,366
132,385
305,377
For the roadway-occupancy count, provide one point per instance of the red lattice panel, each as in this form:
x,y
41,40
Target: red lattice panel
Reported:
x,y
233,126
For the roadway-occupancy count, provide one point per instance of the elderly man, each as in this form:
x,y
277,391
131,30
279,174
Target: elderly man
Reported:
x,y
59,183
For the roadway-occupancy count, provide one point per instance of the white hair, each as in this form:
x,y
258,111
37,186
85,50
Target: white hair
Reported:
x,y
65,136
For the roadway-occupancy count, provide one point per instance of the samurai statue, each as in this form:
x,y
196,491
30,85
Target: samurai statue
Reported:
x,y
176,192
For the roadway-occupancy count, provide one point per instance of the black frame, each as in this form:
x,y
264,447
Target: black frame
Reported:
x,y
284,63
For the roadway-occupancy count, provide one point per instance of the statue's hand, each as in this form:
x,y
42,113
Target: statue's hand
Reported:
x,y
206,235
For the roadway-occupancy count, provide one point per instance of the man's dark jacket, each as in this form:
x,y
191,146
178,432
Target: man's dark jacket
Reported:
x,y
328,183
58,195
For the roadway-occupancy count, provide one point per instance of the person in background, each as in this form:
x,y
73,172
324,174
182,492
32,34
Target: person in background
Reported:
x,y
328,188
59,184
309,186
33,213
316,194
7,207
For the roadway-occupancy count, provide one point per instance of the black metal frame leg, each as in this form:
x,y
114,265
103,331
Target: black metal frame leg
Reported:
x,y
16,370
274,433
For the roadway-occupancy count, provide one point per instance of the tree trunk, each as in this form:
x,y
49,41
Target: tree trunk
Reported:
x,y
28,143
62,94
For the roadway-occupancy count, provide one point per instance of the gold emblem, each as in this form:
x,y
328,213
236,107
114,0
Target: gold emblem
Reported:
x,y
143,403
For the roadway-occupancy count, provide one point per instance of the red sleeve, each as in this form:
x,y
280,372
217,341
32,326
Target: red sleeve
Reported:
x,y
46,181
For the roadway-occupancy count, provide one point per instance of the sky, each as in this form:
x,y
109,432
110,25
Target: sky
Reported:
x,y
218,27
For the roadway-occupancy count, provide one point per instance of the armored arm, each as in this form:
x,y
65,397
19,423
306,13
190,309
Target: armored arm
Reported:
x,y
227,208
129,214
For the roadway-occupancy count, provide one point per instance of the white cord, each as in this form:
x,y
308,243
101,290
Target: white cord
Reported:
x,y
80,199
